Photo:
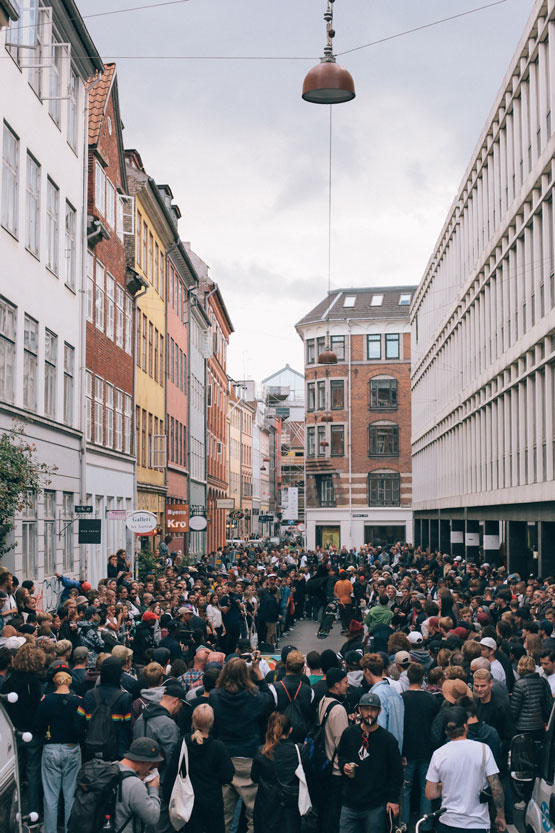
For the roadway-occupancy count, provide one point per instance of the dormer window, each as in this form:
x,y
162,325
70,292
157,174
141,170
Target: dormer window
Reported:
x,y
377,301
349,300
404,300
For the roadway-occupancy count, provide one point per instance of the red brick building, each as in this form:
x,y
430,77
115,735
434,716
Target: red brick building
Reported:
x,y
358,417
110,326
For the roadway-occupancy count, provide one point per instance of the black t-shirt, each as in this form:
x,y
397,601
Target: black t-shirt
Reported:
x,y
421,707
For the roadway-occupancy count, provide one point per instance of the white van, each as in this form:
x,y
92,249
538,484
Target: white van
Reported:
x,y
530,764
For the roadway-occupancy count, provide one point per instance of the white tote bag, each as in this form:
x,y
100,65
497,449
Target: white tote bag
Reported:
x,y
183,797
305,804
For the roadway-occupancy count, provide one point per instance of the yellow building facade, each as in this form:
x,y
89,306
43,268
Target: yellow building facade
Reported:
x,y
149,264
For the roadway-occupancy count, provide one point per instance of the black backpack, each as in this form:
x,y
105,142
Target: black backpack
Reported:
x,y
98,790
102,738
294,712
315,761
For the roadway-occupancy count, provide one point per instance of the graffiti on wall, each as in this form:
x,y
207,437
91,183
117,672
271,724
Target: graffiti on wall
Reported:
x,y
48,593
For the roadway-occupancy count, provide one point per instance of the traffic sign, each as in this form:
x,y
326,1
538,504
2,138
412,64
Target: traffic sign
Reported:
x,y
83,510
301,527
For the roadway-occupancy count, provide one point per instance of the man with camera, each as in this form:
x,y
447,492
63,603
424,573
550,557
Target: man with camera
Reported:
x,y
233,611
464,774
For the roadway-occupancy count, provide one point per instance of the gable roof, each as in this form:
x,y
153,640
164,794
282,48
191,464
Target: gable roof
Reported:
x,y
100,89
331,307
287,369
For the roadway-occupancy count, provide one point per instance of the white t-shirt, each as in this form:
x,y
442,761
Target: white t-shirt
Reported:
x,y
550,680
458,765
498,672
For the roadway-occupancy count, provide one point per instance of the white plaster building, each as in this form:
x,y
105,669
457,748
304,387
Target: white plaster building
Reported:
x,y
483,334
43,109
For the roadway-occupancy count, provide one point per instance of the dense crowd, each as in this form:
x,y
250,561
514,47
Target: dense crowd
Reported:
x,y
171,681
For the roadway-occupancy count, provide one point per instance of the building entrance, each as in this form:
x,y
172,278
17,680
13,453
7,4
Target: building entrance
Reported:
x,y
384,535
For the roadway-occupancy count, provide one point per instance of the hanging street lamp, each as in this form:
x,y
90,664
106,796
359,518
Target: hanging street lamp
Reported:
x,y
328,82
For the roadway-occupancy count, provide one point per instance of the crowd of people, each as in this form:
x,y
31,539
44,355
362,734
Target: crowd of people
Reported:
x,y
443,663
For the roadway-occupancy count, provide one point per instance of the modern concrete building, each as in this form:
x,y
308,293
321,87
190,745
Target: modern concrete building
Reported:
x,y
483,335
47,57
358,465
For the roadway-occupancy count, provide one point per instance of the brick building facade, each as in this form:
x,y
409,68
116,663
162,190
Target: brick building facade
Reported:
x,y
358,418
109,385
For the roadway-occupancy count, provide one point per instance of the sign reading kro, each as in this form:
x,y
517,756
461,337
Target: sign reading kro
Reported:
x,y
177,517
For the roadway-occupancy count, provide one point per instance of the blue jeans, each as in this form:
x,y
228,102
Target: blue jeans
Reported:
x,y
362,821
60,765
415,770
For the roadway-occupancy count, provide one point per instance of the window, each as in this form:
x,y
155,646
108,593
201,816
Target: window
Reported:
x,y
119,420
150,257
139,238
67,523
161,348
310,397
338,347
377,301
50,354
100,188
110,203
150,347
321,395
69,364
109,441
110,303
310,351
99,298
349,300
29,535
32,206
10,180
73,111
145,247
321,441
156,276
383,440
30,350
120,216
52,225
383,394
88,400
337,438
404,300
127,424
310,441
374,346
55,82
325,490
320,347
392,346
384,489
90,286
120,301
129,325
98,410
144,342
70,245
49,532
337,394
7,350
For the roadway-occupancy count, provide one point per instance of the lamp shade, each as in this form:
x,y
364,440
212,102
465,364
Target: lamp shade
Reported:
x,y
327,357
328,83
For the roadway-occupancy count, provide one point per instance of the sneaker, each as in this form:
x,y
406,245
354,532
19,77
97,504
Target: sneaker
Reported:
x,y
519,805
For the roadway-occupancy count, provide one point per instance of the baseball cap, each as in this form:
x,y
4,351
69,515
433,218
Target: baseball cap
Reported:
x,y
286,650
335,675
355,627
415,638
174,689
80,653
144,749
185,609
85,586
489,642
434,621
462,633
457,716
14,643
369,699
149,616
403,658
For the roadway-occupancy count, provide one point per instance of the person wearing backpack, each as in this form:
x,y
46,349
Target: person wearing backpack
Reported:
x,y
332,712
118,795
107,709
59,725
157,721
294,697
274,770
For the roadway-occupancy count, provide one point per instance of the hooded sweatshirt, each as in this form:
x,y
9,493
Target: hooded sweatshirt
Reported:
x,y
157,723
423,657
148,695
237,718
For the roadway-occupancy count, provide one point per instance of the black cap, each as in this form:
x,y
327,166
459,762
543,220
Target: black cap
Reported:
x,y
174,689
335,675
457,716
144,749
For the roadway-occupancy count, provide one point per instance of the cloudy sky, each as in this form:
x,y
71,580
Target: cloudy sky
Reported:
x,y
247,159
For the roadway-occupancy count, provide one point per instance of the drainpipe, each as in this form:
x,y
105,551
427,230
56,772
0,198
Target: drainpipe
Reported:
x,y
84,567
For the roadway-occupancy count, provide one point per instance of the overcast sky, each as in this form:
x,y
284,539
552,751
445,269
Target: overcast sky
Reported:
x,y
247,159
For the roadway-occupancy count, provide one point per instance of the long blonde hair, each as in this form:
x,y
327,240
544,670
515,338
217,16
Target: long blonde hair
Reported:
x,y
203,720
